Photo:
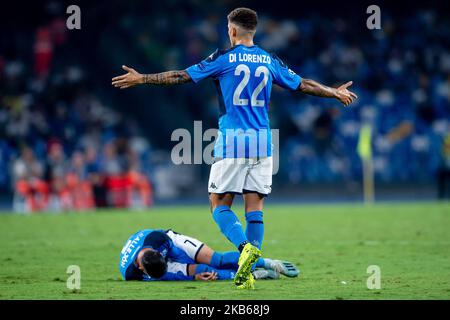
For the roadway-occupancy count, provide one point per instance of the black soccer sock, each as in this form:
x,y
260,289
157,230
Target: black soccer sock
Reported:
x,y
242,245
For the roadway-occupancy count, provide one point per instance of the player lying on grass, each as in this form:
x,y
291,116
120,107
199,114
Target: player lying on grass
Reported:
x,y
167,255
243,75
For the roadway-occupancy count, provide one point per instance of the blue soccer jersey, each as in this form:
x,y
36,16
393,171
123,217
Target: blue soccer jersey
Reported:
x,y
243,77
157,240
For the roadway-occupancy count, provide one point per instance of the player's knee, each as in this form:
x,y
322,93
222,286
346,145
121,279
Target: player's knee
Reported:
x,y
253,208
210,206
216,200
254,203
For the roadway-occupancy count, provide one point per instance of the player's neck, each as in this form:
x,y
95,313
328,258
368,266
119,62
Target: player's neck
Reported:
x,y
245,42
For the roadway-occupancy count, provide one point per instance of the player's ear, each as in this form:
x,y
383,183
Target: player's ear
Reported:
x,y
233,32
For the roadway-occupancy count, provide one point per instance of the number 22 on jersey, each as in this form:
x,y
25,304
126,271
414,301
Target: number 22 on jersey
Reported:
x,y
260,72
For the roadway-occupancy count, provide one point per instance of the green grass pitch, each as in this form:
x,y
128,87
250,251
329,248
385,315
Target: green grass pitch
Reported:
x,y
332,244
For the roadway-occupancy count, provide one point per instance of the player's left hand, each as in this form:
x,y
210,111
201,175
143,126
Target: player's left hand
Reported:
x,y
129,79
206,276
344,95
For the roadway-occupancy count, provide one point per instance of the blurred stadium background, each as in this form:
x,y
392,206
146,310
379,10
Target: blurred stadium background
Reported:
x,y
69,141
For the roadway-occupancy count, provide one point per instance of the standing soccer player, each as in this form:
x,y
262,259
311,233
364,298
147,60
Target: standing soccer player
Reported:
x,y
243,76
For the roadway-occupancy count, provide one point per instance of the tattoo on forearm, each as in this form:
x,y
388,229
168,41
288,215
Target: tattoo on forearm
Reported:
x,y
167,78
316,89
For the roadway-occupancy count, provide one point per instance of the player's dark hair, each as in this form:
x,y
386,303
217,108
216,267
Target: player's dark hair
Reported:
x,y
154,264
244,17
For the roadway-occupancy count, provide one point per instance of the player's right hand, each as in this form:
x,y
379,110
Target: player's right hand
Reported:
x,y
130,79
206,276
344,95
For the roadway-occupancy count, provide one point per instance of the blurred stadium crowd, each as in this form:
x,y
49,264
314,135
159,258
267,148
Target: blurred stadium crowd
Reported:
x,y
67,143
61,149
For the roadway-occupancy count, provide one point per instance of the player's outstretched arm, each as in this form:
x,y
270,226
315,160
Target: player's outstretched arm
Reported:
x,y
133,78
341,93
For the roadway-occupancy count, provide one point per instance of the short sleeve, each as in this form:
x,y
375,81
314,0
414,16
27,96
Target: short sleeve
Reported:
x,y
159,241
210,67
283,76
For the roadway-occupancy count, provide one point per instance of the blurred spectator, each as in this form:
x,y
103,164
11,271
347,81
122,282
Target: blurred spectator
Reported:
x,y
78,185
43,51
31,191
95,178
444,170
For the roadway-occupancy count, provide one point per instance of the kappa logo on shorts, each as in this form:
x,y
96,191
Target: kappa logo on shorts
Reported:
x,y
213,185
266,186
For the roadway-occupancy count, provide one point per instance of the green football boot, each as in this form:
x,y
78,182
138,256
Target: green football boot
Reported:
x,y
248,257
249,284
